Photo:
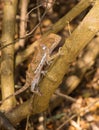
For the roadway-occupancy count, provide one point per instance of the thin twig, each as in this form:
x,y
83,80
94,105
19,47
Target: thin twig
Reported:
x,y
23,24
31,32
39,18
65,96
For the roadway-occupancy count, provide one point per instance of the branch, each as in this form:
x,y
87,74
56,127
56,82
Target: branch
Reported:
x,y
23,22
82,65
7,57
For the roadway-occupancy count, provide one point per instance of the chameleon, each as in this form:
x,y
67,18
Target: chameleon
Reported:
x,y
42,55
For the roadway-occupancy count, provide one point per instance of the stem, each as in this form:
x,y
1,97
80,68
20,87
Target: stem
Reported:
x,y
7,57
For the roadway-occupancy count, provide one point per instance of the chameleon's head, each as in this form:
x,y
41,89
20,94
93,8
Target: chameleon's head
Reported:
x,y
50,42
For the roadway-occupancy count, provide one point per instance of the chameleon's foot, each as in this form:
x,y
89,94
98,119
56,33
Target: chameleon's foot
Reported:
x,y
50,59
60,53
37,92
43,72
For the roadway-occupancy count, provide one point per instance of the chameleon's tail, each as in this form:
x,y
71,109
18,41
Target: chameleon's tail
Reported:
x,y
16,93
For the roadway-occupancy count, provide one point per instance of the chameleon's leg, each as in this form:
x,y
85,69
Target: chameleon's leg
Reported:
x,y
37,92
43,72
52,57
35,89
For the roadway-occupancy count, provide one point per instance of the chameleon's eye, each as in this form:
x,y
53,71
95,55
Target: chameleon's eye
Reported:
x,y
44,47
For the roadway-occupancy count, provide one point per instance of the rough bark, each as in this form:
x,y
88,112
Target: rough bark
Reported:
x,y
7,54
